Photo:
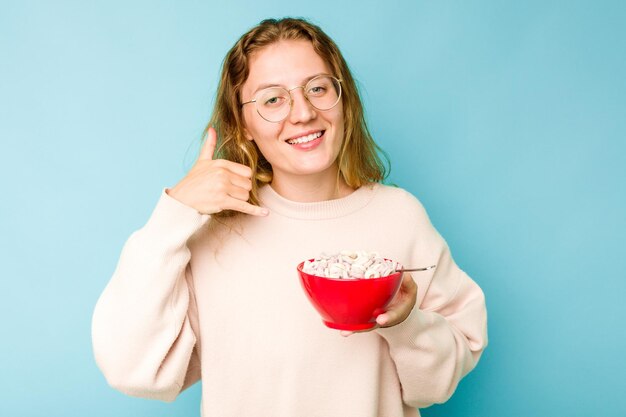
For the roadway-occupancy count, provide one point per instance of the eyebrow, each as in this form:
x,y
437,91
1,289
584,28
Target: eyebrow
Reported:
x,y
268,85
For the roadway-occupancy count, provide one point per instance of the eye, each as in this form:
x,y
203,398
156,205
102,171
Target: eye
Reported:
x,y
273,97
273,101
317,90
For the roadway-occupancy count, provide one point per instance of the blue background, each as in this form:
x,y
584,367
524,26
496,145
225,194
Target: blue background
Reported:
x,y
507,119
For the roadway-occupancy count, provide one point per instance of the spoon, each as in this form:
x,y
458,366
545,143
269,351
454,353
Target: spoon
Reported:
x,y
415,269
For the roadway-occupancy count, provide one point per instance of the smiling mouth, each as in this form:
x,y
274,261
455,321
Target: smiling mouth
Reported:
x,y
305,139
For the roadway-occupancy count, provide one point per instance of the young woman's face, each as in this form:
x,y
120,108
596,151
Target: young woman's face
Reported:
x,y
292,64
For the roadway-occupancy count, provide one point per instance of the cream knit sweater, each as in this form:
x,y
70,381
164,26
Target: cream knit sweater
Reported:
x,y
195,298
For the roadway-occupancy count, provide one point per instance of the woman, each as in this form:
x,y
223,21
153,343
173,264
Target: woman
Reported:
x,y
207,289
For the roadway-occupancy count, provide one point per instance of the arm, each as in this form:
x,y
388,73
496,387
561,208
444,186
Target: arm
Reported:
x,y
143,324
445,334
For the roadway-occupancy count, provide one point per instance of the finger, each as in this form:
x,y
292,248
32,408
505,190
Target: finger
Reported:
x,y
245,207
241,182
409,283
239,193
388,318
208,148
346,333
401,305
234,167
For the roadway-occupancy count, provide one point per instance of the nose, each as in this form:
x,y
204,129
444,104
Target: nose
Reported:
x,y
301,110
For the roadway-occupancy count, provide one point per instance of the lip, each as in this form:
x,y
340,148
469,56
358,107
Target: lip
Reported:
x,y
308,146
308,132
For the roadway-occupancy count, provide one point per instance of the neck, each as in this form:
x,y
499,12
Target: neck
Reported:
x,y
311,188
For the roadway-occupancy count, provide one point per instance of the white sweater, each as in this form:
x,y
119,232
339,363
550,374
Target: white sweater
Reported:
x,y
194,297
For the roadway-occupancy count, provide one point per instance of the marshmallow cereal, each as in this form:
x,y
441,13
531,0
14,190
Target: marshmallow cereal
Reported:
x,y
351,265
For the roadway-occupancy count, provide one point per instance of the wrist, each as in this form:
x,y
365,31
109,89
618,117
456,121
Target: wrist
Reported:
x,y
175,194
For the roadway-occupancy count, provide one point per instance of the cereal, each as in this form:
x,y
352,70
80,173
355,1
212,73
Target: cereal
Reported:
x,y
351,265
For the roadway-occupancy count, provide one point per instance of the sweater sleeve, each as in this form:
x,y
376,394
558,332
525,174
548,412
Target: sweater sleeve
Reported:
x,y
143,325
444,336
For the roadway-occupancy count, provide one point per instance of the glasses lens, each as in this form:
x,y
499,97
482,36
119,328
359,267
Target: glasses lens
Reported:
x,y
273,104
323,92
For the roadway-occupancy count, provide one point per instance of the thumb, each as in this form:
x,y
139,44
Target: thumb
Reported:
x,y
408,283
208,148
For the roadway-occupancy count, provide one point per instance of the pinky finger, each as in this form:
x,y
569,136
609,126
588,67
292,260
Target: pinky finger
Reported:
x,y
245,207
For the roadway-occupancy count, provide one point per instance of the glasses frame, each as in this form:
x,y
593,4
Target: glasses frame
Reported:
x,y
303,87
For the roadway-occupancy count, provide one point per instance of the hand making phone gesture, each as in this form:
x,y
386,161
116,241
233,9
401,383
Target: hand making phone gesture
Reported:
x,y
213,185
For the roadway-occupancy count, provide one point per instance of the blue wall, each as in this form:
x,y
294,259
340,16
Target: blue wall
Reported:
x,y
507,119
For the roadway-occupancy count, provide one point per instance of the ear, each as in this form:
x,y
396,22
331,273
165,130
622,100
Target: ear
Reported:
x,y
247,134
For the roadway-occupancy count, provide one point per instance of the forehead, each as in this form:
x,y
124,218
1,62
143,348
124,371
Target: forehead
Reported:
x,y
285,63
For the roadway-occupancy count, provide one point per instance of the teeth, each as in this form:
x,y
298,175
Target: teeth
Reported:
x,y
305,139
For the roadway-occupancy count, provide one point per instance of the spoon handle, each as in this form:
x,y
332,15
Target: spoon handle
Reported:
x,y
415,269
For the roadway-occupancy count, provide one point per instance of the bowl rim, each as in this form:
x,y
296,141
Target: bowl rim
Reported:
x,y
301,265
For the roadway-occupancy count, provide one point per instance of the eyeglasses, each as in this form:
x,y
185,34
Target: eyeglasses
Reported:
x,y
274,103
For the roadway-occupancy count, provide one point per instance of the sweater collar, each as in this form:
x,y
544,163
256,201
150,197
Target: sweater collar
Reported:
x,y
318,210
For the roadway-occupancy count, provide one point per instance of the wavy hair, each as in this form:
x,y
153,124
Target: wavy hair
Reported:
x,y
359,159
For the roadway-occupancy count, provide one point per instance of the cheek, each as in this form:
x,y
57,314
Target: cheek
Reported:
x,y
261,131
338,116
338,121
248,124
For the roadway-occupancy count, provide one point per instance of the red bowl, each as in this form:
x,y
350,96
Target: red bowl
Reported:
x,y
349,304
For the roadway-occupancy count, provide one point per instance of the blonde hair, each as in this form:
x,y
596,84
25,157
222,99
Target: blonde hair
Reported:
x,y
359,160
